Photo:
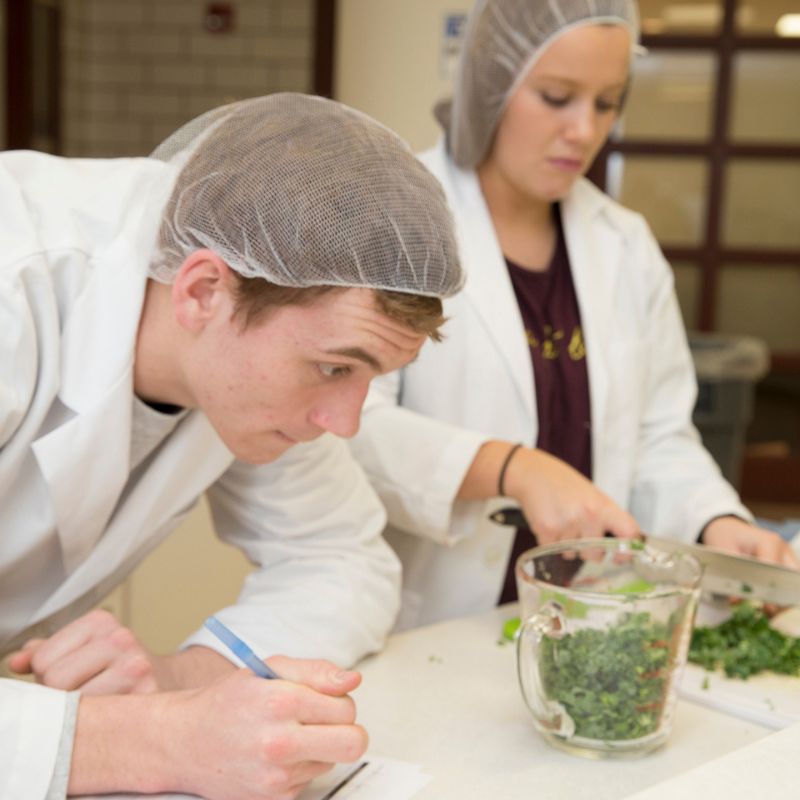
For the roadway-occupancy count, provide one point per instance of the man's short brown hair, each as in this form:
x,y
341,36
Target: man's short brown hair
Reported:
x,y
255,298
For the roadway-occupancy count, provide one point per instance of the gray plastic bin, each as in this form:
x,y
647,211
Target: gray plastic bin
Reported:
x,y
728,368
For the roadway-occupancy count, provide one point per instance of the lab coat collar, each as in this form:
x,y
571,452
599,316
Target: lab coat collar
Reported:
x,y
99,337
488,284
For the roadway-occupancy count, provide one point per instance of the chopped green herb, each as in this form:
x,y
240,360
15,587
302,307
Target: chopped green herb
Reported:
x,y
573,608
613,682
637,586
510,628
706,684
746,588
745,645
637,544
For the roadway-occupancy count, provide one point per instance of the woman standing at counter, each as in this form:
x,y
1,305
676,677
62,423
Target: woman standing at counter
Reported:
x,y
565,381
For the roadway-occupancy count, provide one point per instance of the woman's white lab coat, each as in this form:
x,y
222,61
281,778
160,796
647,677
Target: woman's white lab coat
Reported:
x,y
423,425
77,238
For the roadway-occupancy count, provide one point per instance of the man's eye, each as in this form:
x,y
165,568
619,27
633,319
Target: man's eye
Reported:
x,y
334,371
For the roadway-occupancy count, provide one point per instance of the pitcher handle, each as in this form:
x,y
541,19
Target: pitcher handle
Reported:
x,y
549,714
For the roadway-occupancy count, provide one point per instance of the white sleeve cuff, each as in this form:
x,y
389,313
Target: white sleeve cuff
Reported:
x,y
31,729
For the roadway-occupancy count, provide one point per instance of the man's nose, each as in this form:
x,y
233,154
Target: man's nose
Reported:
x,y
340,411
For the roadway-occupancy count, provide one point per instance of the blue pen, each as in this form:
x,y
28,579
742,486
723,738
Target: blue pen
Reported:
x,y
239,648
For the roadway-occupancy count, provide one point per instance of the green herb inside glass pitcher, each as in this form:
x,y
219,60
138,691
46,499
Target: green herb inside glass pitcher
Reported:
x,y
611,682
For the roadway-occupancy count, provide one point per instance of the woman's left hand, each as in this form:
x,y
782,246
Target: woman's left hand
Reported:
x,y
743,538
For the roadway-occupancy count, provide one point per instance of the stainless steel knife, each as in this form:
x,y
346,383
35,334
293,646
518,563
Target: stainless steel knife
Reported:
x,y
723,572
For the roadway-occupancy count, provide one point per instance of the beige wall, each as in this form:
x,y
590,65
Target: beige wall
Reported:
x,y
191,575
134,71
389,62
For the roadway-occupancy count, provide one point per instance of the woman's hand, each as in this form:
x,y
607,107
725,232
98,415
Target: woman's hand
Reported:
x,y
560,503
740,537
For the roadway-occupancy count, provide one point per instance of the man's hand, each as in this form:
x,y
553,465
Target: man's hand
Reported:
x,y
742,538
239,738
95,654
560,503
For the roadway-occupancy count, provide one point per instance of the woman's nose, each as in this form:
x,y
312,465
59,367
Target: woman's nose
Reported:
x,y
583,123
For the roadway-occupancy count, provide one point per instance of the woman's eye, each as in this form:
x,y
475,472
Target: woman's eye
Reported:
x,y
557,101
604,106
334,371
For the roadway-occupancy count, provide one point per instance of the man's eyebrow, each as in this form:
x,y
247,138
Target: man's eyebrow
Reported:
x,y
358,353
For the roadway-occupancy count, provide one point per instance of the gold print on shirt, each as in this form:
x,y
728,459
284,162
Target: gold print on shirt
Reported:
x,y
550,349
577,349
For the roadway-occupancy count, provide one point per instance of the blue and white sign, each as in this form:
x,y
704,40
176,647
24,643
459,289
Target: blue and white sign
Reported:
x,y
453,27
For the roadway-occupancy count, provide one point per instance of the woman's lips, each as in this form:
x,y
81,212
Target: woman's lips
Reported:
x,y
567,164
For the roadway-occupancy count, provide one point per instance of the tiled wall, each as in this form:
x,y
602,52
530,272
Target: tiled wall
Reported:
x,y
136,70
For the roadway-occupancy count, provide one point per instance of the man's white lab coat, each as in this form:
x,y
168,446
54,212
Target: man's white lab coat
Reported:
x,y
422,426
77,238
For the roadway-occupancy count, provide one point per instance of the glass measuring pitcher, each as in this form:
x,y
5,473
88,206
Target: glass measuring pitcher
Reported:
x,y
606,625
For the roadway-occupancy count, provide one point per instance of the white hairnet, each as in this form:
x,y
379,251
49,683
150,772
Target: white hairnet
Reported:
x,y
502,40
304,191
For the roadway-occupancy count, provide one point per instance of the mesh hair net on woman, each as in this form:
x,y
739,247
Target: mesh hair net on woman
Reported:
x,y
502,40
303,191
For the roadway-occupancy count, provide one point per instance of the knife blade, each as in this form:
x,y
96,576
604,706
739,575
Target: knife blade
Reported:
x,y
723,572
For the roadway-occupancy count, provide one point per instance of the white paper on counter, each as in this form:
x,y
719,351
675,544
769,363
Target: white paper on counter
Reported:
x,y
381,779
769,767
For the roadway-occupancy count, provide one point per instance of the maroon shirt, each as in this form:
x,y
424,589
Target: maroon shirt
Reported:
x,y
552,320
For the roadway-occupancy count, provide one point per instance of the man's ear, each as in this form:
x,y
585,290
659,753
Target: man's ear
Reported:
x,y
202,290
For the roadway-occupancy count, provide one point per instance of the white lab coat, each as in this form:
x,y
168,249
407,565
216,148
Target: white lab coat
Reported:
x,y
77,237
422,426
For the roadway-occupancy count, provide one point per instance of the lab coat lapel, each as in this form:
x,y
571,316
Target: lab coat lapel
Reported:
x,y
86,473
193,459
85,479
594,250
488,285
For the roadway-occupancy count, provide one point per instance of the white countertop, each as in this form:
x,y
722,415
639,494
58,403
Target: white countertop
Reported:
x,y
446,697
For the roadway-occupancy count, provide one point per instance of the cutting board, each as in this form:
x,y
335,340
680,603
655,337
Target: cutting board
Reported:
x,y
767,699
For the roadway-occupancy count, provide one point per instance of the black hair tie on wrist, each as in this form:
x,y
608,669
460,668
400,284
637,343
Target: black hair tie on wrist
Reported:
x,y
500,488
